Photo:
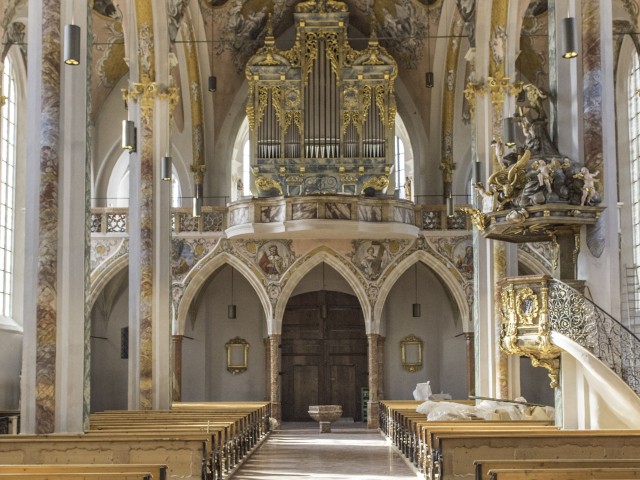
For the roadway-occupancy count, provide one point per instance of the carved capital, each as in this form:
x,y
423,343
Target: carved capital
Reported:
x,y
146,93
198,173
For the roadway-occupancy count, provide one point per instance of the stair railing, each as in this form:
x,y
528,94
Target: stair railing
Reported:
x,y
578,318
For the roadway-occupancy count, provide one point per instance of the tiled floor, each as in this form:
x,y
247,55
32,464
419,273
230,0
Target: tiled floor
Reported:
x,y
349,452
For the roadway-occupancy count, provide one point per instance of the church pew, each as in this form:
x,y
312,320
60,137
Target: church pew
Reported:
x,y
187,454
430,430
482,467
157,472
233,435
593,473
239,425
123,475
453,453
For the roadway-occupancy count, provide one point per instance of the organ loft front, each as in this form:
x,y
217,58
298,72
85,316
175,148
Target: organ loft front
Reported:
x,y
321,114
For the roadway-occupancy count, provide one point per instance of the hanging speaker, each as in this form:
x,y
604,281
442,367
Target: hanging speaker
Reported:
x,y
213,83
71,44
416,310
569,38
231,311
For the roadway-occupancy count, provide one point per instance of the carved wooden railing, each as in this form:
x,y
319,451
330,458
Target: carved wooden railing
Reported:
x,y
534,306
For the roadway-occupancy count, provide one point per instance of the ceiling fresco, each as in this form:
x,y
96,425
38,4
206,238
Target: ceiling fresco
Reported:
x,y
401,24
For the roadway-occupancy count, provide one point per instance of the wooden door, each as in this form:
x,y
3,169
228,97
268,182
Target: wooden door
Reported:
x,y
324,354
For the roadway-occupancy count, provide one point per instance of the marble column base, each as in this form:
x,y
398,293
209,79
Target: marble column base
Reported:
x,y
325,427
373,415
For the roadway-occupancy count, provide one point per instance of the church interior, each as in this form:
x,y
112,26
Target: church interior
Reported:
x,y
319,202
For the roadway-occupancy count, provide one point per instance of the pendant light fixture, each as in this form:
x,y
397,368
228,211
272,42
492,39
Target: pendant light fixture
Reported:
x,y
429,75
71,44
129,135
213,82
450,207
477,172
509,132
166,167
197,201
569,38
416,305
231,309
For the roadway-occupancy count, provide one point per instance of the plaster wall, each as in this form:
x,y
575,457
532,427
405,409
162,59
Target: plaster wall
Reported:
x,y
204,360
10,359
108,370
444,356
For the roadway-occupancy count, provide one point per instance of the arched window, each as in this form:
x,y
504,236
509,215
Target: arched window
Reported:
x,y
8,123
634,158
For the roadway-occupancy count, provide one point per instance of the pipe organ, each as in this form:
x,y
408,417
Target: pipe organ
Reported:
x,y
321,114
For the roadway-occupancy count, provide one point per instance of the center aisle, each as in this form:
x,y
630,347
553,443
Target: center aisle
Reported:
x,y
298,451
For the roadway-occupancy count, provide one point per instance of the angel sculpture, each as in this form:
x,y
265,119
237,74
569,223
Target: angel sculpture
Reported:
x,y
589,186
545,172
509,182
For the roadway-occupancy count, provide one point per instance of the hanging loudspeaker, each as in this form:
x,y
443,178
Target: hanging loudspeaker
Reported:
x,y
72,44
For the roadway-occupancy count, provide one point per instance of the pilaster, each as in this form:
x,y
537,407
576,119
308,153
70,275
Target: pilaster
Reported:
x,y
373,407
274,376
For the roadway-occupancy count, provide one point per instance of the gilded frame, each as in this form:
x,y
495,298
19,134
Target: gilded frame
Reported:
x,y
411,351
237,355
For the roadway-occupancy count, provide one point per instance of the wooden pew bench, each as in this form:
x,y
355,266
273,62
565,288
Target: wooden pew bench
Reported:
x,y
123,475
156,472
482,467
594,473
454,453
429,431
187,455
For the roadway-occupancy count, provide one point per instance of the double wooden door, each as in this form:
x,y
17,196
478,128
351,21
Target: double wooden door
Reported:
x,y
324,354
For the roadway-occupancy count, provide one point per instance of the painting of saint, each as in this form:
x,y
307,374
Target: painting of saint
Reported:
x,y
272,262
464,261
371,258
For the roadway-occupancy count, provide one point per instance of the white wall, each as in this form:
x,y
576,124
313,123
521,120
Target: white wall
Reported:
x,y
205,376
108,370
11,360
444,363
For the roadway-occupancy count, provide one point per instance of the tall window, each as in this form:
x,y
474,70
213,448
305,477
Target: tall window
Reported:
x,y
7,178
399,167
634,149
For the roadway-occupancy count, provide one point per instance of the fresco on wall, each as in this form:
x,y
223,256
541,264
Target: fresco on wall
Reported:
x,y
274,258
371,258
463,254
104,251
186,253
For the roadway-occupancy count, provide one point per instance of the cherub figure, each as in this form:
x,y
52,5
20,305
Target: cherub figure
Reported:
x,y
545,172
589,186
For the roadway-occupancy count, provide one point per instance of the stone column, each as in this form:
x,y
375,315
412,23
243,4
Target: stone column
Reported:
x,y
267,368
373,408
599,139
53,380
176,354
150,99
381,342
42,217
471,363
274,376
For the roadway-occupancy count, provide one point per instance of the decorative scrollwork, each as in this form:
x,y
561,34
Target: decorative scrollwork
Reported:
x,y
527,306
576,317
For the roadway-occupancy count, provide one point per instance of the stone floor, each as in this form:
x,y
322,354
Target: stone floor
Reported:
x,y
349,452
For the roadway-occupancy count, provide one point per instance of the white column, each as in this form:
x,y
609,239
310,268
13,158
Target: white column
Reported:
x,y
34,110
72,334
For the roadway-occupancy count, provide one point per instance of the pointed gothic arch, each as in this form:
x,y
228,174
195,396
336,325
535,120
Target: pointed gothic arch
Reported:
x,y
449,280
304,266
202,275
